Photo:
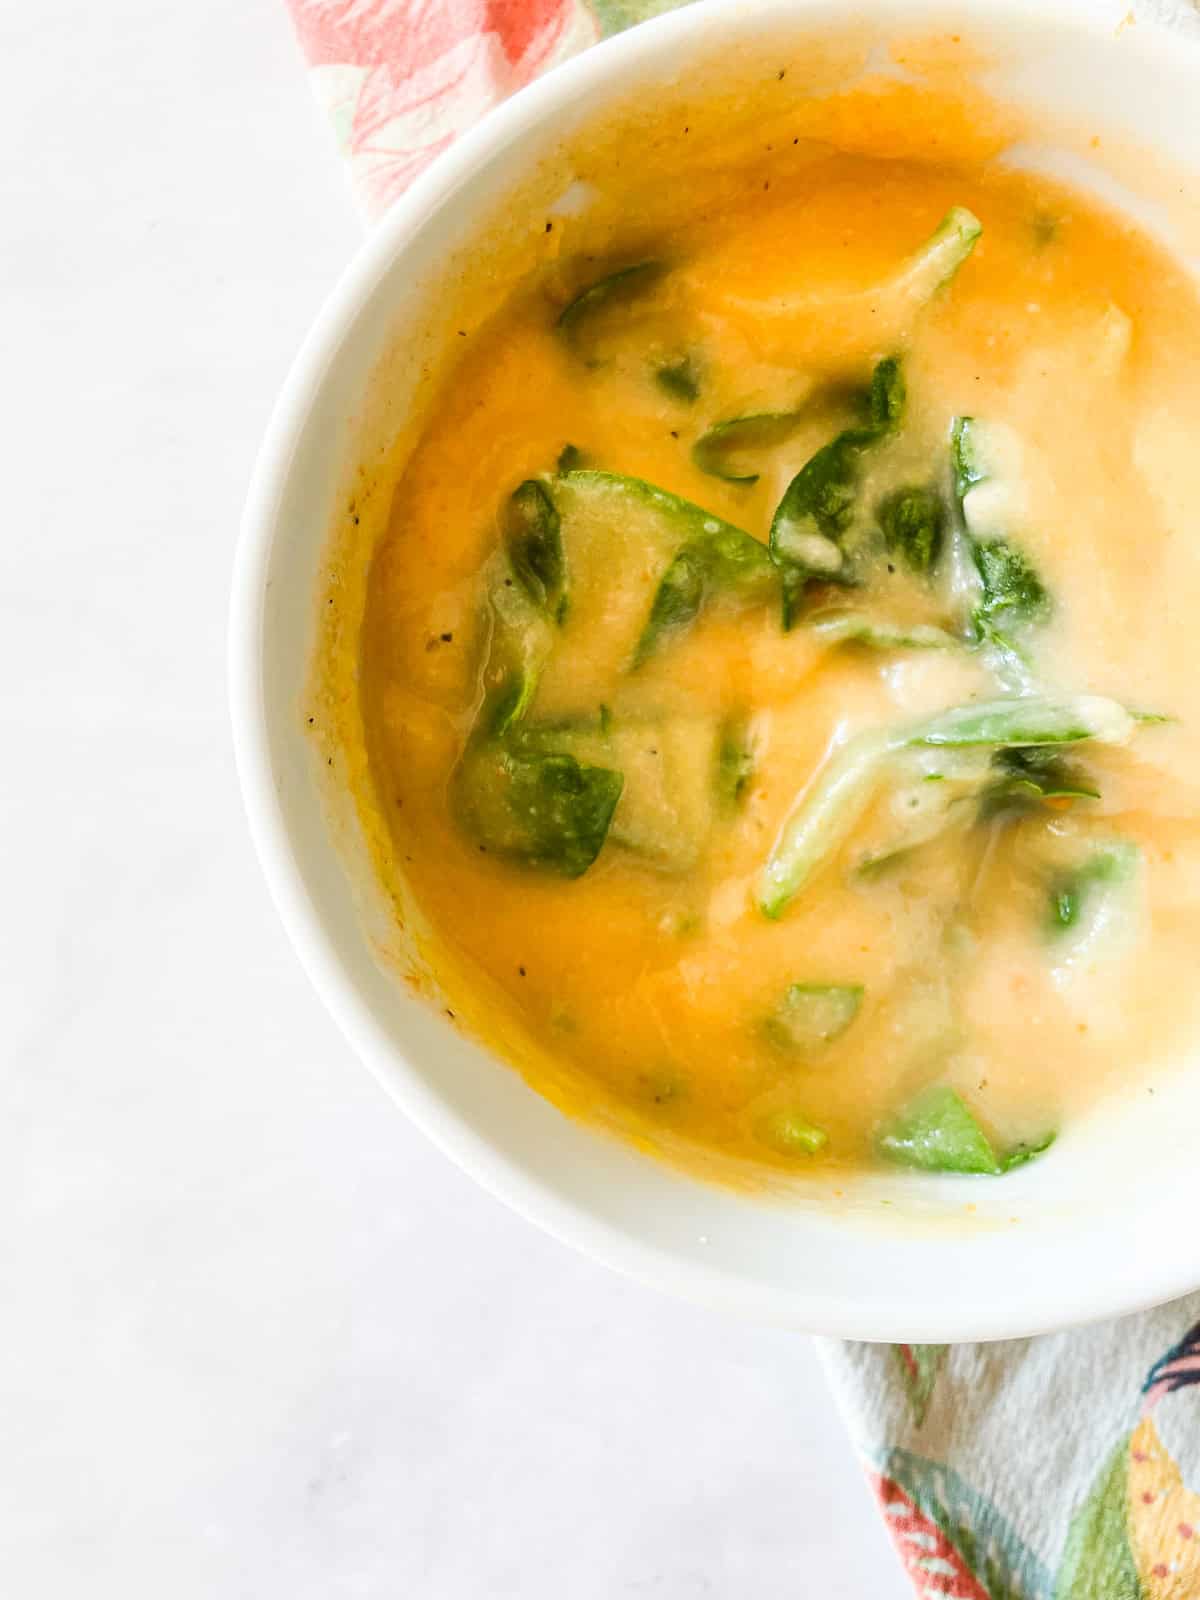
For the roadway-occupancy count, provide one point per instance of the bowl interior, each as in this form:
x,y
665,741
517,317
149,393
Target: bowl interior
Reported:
x,y
1096,1230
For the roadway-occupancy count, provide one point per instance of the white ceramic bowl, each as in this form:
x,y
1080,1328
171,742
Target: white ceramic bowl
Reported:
x,y
1106,1223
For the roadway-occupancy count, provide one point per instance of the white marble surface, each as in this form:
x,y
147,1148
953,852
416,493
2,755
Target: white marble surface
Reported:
x,y
259,1339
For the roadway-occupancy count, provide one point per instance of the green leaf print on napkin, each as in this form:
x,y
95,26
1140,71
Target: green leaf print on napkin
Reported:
x,y
919,1366
952,1540
616,15
1097,1563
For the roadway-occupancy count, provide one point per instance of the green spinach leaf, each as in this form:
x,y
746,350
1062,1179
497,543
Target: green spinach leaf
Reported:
x,y
716,452
1008,594
932,266
938,1132
1013,593
912,521
837,797
735,765
724,561
544,810
533,538
617,289
790,1133
812,1015
842,626
819,504
1081,895
1033,773
679,379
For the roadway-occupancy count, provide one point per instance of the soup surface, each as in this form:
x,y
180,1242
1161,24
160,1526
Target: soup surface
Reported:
x,y
779,671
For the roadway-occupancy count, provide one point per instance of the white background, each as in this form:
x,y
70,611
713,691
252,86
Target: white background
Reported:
x,y
256,1338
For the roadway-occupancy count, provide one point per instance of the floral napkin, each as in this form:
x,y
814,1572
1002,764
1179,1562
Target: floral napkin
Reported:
x,y
1037,1469
401,79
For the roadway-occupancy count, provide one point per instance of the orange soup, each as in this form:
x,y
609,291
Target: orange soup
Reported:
x,y
778,672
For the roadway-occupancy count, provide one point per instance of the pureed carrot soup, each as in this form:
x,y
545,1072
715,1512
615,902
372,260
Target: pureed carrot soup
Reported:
x,y
778,674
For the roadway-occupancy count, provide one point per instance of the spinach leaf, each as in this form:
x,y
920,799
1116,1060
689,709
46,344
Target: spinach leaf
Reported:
x,y
1019,1155
613,291
677,601
971,786
888,395
1082,897
838,795
823,818
789,1133
609,518
932,266
938,1132
835,626
509,702
735,765
712,558
819,504
721,561
519,644
1037,772
1013,593
1009,593
811,1015
715,452
1026,720
680,380
912,521
670,800
897,299
969,454
819,501
544,810
815,511
533,538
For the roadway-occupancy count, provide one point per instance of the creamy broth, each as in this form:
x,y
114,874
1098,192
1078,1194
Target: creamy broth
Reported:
x,y
758,961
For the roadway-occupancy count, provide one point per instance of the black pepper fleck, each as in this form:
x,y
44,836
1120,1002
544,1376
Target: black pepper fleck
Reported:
x,y
447,638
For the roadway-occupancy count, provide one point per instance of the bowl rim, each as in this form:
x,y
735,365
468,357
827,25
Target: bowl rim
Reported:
x,y
1060,1303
